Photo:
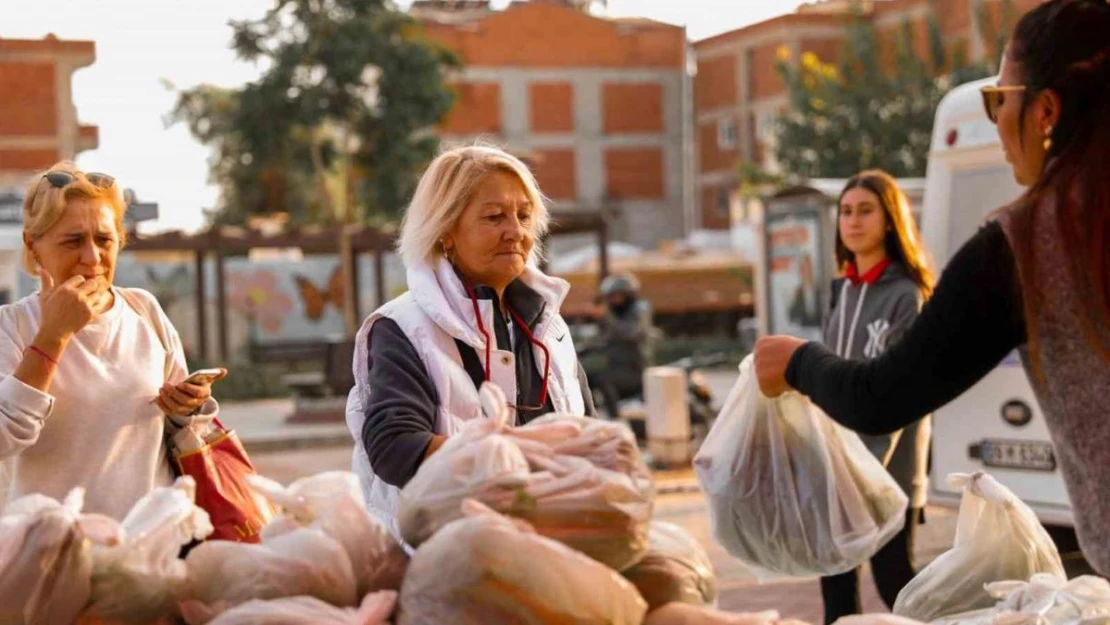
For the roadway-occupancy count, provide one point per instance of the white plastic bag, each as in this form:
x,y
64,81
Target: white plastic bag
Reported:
x,y
304,562
333,502
675,569
375,610
1044,600
45,561
998,538
602,513
790,491
141,579
487,568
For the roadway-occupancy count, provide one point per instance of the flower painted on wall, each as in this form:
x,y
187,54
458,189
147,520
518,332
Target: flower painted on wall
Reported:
x,y
255,295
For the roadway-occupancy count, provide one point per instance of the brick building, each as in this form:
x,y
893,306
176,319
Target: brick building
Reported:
x,y
738,91
602,105
38,121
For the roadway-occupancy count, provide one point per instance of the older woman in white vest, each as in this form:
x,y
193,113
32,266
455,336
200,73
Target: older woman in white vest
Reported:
x,y
478,309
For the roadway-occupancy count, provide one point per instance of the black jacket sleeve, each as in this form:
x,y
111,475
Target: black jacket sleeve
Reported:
x,y
401,415
973,320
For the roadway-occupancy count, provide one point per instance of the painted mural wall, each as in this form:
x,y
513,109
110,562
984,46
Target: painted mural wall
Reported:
x,y
268,300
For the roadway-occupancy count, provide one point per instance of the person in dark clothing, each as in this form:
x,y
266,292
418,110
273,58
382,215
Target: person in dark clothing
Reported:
x,y
885,279
624,342
1035,278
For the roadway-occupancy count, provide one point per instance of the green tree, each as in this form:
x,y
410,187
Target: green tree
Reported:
x,y
862,113
339,124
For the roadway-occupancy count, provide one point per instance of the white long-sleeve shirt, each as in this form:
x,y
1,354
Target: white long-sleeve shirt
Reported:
x,y
96,427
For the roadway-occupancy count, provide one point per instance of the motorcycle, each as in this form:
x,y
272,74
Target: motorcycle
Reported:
x,y
699,396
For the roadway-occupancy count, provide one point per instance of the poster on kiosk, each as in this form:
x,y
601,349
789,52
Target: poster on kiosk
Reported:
x,y
797,266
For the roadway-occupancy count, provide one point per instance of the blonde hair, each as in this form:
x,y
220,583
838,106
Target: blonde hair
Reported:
x,y
44,204
447,186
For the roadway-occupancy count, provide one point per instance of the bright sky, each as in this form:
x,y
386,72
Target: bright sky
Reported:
x,y
141,43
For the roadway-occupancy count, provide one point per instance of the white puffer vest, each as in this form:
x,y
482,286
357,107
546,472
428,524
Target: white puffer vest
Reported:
x,y
433,314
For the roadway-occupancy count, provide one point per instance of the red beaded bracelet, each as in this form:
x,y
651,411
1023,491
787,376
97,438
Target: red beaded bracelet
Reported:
x,y
41,353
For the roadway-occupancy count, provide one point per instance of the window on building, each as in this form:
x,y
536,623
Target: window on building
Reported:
x,y
726,134
722,204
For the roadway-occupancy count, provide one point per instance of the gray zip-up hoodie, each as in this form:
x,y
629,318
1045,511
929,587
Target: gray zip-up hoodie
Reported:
x,y
864,320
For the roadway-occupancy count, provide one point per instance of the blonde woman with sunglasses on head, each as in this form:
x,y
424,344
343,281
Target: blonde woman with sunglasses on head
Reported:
x,y
1036,278
86,383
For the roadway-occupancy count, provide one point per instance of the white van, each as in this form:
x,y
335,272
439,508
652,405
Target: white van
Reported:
x,y
996,426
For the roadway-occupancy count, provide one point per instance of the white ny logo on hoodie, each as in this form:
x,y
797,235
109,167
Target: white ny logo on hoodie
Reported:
x,y
876,342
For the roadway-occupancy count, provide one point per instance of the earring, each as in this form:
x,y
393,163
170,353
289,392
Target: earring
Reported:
x,y
1048,139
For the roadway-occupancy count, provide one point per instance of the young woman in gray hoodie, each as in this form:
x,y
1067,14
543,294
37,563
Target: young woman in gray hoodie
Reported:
x,y
885,279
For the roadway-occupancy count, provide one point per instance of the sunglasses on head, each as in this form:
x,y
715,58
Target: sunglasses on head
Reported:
x,y
61,179
994,96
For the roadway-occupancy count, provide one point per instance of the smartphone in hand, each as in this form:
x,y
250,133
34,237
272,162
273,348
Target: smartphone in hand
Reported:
x,y
205,376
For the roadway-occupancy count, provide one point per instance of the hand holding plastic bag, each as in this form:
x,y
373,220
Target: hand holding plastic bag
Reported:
x,y
790,491
306,562
375,610
45,561
998,538
488,568
141,579
675,569
333,502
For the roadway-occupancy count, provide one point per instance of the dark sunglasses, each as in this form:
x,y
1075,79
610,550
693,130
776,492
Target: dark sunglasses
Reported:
x,y
994,96
62,179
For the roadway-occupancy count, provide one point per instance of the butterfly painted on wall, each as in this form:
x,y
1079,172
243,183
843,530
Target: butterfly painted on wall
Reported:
x,y
315,299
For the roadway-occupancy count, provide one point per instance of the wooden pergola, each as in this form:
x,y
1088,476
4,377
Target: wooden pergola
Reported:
x,y
353,241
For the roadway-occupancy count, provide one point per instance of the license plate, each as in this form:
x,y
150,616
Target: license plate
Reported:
x,y
1029,455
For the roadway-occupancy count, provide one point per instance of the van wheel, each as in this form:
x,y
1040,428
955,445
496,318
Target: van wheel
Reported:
x,y
1068,545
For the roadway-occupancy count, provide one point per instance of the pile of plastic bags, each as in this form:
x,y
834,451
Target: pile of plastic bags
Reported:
x,y
46,559
141,578
322,557
504,519
790,491
567,477
997,538
322,545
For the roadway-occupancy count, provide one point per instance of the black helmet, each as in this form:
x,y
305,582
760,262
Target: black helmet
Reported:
x,y
625,283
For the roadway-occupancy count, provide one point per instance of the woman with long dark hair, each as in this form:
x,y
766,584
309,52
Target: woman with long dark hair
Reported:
x,y
886,277
1036,277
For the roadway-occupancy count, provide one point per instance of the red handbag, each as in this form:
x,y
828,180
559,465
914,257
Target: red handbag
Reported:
x,y
220,469
219,464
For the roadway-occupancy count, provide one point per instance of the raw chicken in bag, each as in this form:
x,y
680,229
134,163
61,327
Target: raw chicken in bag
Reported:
x,y
141,579
998,538
333,503
790,491
45,558
602,513
487,568
375,610
302,562
675,569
